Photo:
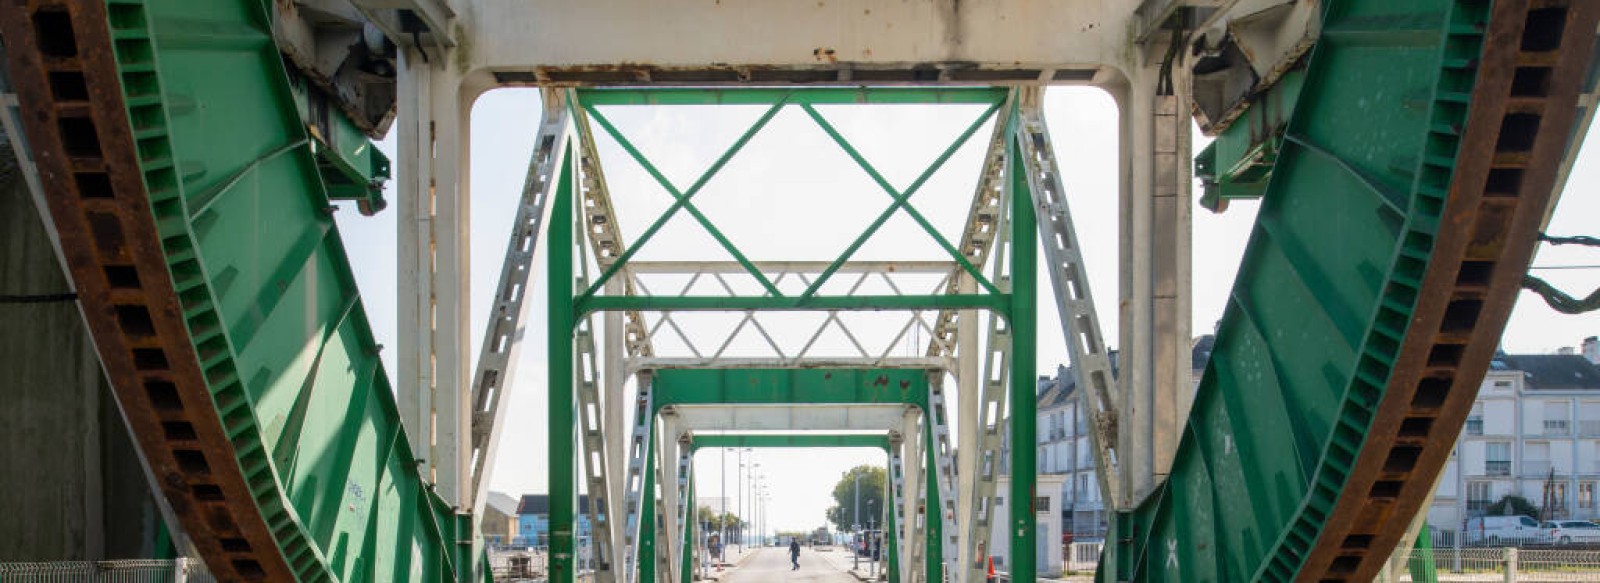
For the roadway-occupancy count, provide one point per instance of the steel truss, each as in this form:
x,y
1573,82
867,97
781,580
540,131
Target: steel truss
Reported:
x,y
1000,235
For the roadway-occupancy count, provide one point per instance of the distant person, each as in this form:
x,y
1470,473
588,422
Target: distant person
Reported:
x,y
794,554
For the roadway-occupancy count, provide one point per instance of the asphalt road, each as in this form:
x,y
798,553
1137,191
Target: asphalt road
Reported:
x,y
772,564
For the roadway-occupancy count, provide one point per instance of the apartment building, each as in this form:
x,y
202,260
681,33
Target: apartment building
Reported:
x,y
1534,430
1065,448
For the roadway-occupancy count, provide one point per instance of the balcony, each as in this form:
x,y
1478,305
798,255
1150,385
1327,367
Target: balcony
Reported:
x,y
1589,427
1557,428
1497,468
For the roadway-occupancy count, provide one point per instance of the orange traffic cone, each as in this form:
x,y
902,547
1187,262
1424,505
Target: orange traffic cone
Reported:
x,y
991,578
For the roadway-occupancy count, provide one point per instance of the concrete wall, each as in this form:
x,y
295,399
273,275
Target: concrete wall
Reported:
x,y
72,486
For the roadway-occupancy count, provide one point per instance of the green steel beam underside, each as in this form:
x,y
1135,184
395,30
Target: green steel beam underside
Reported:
x,y
814,96
1325,292
790,386
791,441
994,303
269,296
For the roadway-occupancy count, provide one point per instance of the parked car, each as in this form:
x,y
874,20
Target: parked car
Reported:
x,y
1566,532
1504,530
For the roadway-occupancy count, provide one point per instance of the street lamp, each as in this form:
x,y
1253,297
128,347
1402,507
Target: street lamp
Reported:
x,y
754,467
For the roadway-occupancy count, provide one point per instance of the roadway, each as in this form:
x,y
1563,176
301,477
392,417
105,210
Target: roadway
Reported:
x,y
772,564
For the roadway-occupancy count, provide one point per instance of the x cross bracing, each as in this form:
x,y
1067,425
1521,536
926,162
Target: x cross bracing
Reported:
x,y
608,317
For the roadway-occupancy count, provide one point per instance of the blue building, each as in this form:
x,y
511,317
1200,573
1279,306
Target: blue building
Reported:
x,y
533,519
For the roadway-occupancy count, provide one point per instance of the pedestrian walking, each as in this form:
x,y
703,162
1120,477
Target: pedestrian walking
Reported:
x,y
794,554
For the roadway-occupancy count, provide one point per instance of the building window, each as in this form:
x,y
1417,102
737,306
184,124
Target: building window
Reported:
x,y
1586,495
1502,384
1475,426
1497,458
1041,504
1536,459
1555,418
1479,497
1556,494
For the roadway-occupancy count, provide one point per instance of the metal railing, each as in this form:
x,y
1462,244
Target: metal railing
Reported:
x,y
181,570
1497,467
1589,427
1493,564
1082,557
1556,427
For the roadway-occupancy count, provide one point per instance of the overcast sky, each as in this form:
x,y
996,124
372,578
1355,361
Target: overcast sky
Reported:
x,y
791,194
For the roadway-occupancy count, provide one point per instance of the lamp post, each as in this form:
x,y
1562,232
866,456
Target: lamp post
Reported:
x,y
855,525
738,486
722,540
872,557
754,467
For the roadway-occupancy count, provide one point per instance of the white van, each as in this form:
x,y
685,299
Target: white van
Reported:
x,y
1504,531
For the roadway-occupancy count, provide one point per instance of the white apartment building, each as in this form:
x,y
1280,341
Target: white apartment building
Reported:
x,y
1535,425
1065,449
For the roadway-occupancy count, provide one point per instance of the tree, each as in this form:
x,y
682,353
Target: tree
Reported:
x,y
871,480
1513,505
706,516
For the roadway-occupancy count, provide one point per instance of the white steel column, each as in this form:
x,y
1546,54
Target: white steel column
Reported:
x,y
615,405
432,192
916,489
1153,380
967,403
672,452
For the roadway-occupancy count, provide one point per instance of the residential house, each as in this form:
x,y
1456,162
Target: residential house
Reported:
x,y
1534,431
1065,448
498,525
533,519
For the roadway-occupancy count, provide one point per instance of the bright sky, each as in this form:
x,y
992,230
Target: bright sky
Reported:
x,y
792,194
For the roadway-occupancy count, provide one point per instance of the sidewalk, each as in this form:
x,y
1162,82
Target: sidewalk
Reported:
x,y
843,560
733,557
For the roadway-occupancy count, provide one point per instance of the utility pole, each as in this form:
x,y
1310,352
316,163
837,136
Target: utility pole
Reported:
x,y
739,504
855,525
723,540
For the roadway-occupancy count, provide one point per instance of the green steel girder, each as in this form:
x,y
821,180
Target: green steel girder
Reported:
x,y
562,427
1238,164
1023,553
805,440
351,166
308,466
771,95
990,302
1325,291
645,555
790,386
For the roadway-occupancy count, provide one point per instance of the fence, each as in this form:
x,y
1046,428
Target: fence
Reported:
x,y
1082,557
127,571
1493,564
